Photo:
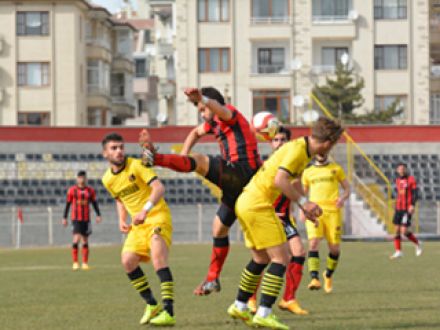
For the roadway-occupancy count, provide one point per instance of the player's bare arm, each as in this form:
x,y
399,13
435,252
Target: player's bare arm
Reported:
x,y
344,196
195,96
157,192
122,216
192,139
283,182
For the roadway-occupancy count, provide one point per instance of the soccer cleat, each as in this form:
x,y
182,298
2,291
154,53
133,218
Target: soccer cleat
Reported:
x,y
150,312
292,306
328,283
75,266
245,315
207,287
148,149
163,319
419,249
85,266
396,255
252,305
314,284
270,321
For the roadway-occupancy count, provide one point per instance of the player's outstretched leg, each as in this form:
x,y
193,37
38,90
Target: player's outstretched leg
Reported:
x,y
293,279
313,265
411,237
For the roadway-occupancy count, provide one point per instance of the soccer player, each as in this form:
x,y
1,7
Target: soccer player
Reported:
x,y
406,188
231,171
263,231
80,196
321,180
139,192
296,247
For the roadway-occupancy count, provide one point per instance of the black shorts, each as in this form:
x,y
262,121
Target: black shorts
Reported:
x,y
83,228
289,229
402,218
231,178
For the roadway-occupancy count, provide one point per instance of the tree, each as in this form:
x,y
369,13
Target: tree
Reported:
x,y
378,116
341,95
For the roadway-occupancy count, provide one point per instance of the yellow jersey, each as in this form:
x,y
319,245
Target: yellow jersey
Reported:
x,y
292,157
323,182
131,186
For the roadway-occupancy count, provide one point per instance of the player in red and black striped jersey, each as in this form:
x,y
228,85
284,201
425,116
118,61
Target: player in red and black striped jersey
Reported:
x,y
296,247
406,198
231,171
80,196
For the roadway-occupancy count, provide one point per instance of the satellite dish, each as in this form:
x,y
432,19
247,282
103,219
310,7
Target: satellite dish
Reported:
x,y
298,101
161,118
353,15
310,116
295,64
345,58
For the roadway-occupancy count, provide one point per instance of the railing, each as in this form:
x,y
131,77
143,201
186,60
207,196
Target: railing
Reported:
x,y
270,69
97,90
332,19
352,147
271,20
98,42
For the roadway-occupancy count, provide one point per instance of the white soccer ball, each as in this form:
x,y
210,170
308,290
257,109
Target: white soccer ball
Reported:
x,y
265,125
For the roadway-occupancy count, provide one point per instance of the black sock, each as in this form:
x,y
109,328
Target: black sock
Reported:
x,y
140,283
272,284
332,263
166,289
221,241
250,277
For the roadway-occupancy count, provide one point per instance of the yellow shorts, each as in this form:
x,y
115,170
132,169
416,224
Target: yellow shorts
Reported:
x,y
139,238
261,226
330,227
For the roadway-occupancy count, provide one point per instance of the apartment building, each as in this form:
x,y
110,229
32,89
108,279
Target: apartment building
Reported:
x,y
64,63
263,53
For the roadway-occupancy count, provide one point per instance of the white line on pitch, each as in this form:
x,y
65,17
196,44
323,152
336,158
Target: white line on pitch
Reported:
x,y
47,267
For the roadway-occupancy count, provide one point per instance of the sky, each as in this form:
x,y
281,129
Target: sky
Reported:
x,y
112,5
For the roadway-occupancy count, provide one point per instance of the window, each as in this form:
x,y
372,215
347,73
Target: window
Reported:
x,y
118,85
390,57
274,10
34,118
214,60
331,56
331,8
383,102
270,60
274,101
141,67
33,74
123,42
32,23
434,116
98,77
390,9
213,10
147,37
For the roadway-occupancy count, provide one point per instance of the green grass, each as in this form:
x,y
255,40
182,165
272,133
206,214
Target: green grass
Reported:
x,y
39,291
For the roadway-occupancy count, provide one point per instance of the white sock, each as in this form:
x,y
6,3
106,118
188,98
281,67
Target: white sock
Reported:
x,y
242,306
264,311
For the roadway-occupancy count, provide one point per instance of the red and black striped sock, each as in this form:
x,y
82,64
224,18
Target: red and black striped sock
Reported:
x,y
412,238
219,253
397,242
85,253
75,252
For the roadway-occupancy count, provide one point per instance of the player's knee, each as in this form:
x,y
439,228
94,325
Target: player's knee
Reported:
x,y
128,262
220,230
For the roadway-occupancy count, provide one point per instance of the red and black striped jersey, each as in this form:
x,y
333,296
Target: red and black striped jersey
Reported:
x,y
80,198
282,208
406,187
237,141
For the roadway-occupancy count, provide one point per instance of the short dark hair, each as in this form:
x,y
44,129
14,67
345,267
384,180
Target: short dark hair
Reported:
x,y
286,132
401,164
81,173
326,129
214,94
112,137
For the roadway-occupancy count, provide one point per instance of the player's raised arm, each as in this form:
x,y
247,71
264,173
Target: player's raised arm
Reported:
x,y
157,192
192,138
122,216
196,97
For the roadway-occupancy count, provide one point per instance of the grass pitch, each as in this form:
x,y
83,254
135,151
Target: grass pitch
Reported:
x,y
38,290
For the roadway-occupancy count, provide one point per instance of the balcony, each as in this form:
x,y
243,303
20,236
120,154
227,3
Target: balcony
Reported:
x,y
98,97
122,64
99,49
271,20
270,69
122,105
333,27
165,49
